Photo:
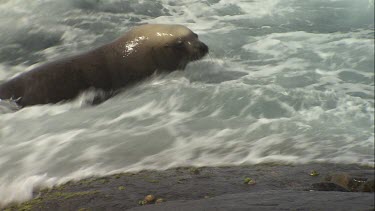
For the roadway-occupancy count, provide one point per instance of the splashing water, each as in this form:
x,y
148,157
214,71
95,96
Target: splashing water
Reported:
x,y
286,81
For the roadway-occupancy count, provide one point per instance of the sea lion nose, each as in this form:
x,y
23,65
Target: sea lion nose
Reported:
x,y
203,47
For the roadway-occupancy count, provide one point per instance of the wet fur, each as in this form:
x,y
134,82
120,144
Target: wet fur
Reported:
x,y
109,67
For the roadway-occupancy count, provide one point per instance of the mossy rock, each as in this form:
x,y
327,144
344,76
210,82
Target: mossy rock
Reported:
x,y
351,183
38,203
368,186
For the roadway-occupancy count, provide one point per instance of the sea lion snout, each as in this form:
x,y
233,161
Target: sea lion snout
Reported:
x,y
199,49
203,49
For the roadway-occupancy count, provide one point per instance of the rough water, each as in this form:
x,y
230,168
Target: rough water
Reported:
x,y
286,81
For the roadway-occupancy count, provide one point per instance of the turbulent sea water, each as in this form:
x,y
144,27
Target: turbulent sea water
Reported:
x,y
286,81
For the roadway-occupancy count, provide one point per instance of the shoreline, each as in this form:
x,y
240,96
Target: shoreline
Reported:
x,y
262,186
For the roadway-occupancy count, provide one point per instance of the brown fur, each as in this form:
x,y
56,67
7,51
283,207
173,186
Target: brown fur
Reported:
x,y
125,61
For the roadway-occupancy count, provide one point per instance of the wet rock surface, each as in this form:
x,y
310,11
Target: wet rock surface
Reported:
x,y
272,200
277,187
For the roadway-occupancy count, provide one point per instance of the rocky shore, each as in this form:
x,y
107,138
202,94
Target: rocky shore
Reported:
x,y
256,187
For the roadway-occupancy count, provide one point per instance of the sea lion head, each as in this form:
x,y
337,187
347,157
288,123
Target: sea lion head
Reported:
x,y
166,47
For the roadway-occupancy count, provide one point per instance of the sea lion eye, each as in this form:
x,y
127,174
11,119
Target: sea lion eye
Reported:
x,y
179,44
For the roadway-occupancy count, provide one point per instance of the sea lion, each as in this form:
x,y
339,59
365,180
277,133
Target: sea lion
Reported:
x,y
136,55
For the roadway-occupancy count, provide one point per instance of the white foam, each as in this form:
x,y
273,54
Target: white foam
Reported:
x,y
268,92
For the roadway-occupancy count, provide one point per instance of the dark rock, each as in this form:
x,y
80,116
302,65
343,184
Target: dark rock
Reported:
x,y
272,200
328,186
368,186
278,187
351,183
